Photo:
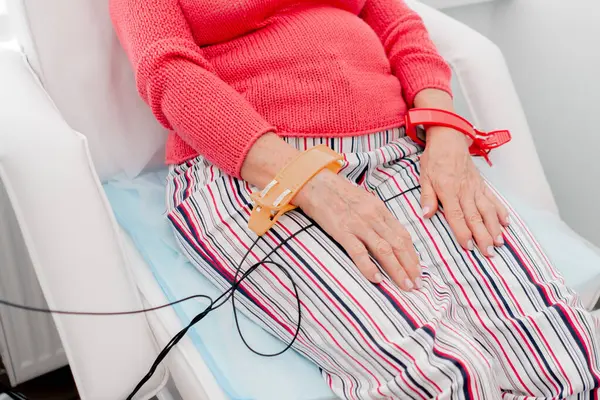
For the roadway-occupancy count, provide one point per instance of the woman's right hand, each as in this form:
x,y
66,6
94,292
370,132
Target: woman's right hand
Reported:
x,y
363,226
357,220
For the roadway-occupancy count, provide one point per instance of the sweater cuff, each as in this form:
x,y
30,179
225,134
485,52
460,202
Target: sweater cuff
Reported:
x,y
235,160
419,73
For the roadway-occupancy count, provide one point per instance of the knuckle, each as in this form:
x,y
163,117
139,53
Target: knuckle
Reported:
x,y
405,236
399,246
372,214
401,242
346,227
475,218
357,251
444,179
384,248
455,214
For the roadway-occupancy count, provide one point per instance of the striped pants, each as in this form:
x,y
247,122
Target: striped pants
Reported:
x,y
506,327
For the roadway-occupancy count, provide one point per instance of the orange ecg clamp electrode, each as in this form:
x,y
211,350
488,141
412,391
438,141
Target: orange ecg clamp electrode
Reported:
x,y
481,142
274,200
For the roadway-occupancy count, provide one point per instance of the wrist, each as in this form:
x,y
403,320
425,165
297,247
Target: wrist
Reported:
x,y
439,135
266,158
305,196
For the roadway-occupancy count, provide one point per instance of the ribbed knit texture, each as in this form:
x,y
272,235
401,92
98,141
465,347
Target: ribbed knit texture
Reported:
x,y
220,73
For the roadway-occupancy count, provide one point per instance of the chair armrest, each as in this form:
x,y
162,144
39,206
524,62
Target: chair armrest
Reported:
x,y
71,235
492,103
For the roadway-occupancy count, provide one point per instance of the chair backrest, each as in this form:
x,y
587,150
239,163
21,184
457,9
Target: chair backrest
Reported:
x,y
72,47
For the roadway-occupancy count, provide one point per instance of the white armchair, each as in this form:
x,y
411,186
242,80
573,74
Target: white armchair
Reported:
x,y
70,118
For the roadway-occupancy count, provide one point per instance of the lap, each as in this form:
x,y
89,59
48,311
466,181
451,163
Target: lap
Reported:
x,y
511,314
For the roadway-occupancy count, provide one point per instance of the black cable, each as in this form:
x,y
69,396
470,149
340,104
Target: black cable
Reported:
x,y
213,305
101,314
230,294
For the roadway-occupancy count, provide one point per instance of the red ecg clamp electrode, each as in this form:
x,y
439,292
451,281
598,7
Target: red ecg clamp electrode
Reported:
x,y
482,142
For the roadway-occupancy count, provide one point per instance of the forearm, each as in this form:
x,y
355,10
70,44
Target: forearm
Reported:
x,y
434,98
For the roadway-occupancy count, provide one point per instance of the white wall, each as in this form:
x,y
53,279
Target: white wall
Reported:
x,y
553,50
444,4
477,16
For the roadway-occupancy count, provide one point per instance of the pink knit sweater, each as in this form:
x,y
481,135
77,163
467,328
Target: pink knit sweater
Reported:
x,y
220,73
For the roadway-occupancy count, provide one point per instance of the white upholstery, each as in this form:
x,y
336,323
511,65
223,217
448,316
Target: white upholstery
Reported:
x,y
53,183
75,53
71,235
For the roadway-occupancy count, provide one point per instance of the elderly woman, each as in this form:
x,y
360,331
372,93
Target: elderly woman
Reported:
x,y
413,277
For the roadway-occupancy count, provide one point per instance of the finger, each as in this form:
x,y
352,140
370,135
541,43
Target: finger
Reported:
x,y
488,212
360,257
456,219
475,223
429,200
383,252
501,210
394,233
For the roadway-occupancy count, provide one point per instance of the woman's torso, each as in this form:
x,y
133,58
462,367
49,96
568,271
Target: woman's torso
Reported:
x,y
310,68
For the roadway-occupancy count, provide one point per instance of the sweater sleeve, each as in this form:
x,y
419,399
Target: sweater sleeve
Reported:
x,y
176,81
413,57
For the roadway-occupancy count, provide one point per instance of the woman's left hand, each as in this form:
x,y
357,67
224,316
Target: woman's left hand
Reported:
x,y
448,175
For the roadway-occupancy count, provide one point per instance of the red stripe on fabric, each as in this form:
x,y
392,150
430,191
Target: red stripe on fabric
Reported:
x,y
449,327
539,282
582,338
383,156
454,314
254,297
462,289
523,226
218,264
491,292
413,172
229,274
346,164
188,186
309,276
175,179
357,303
349,381
175,220
531,320
212,172
470,339
458,360
309,345
262,305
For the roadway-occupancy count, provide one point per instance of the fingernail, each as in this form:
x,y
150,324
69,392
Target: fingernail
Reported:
x,y
418,283
470,245
500,240
491,251
408,284
378,278
508,220
426,210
